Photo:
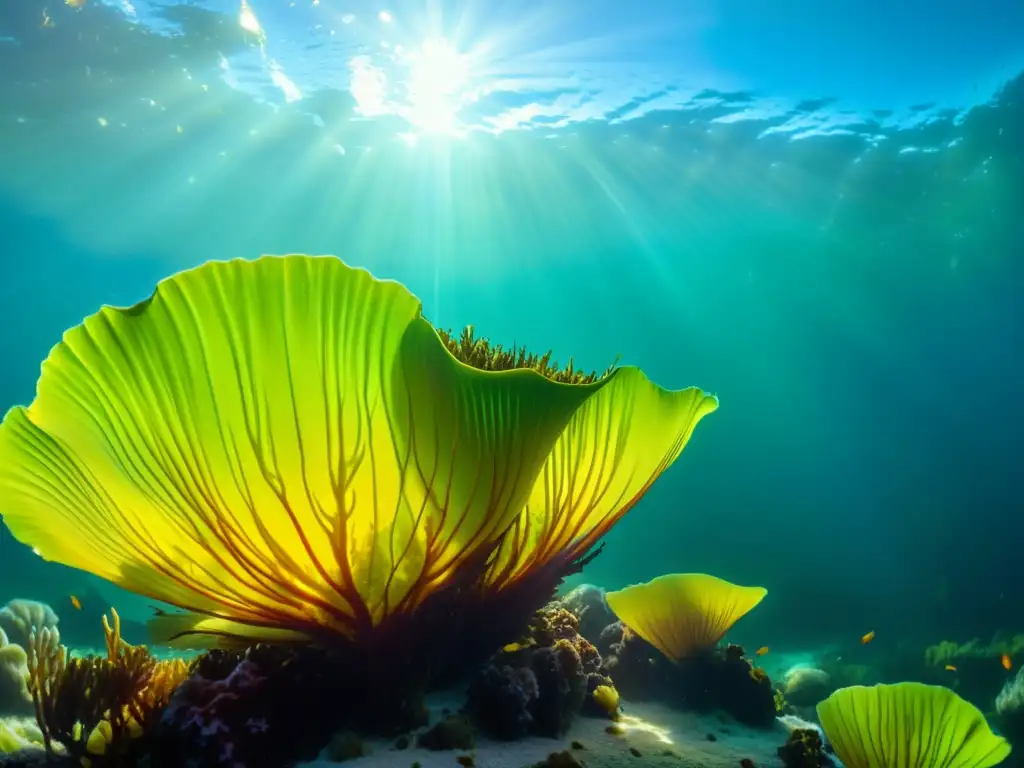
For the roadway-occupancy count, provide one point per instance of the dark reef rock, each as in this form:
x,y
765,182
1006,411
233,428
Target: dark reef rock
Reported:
x,y
30,758
560,760
453,732
36,758
716,679
609,636
806,686
273,705
639,669
234,711
723,679
562,685
500,700
804,749
586,602
344,746
539,685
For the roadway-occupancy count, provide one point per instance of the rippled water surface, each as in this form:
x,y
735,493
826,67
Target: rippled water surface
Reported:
x,y
812,209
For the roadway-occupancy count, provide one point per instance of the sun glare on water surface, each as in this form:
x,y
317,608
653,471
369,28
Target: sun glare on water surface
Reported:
x,y
427,83
435,88
438,75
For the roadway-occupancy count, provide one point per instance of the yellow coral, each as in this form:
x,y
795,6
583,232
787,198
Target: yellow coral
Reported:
x,y
156,685
286,448
781,705
91,705
607,697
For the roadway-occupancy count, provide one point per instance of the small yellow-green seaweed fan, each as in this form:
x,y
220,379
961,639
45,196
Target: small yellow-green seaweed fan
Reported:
x,y
286,449
908,725
682,613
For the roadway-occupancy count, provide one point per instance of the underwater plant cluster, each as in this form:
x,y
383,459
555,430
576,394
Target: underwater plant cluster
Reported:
x,y
288,452
276,705
348,509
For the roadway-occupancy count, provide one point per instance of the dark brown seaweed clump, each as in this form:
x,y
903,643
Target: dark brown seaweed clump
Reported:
x,y
481,354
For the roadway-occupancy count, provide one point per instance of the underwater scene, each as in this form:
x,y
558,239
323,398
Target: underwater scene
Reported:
x,y
438,383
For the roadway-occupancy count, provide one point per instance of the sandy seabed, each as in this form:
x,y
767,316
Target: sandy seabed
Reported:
x,y
653,735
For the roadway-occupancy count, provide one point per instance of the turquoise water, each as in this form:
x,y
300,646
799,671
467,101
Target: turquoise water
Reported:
x,y
813,213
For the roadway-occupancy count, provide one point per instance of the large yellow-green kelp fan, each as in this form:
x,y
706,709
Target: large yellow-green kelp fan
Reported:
x,y
288,451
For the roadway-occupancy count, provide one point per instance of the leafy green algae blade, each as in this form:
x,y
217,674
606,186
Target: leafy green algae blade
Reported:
x,y
282,444
680,613
615,446
477,457
908,725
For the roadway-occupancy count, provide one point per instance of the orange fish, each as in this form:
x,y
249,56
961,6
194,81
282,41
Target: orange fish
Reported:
x,y
868,637
1007,663
76,602
950,668
761,651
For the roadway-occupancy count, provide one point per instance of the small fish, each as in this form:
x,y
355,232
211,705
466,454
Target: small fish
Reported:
x,y
950,668
76,602
762,650
75,3
1007,663
868,637
513,647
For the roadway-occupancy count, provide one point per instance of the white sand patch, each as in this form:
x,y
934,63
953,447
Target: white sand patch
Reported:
x,y
661,737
